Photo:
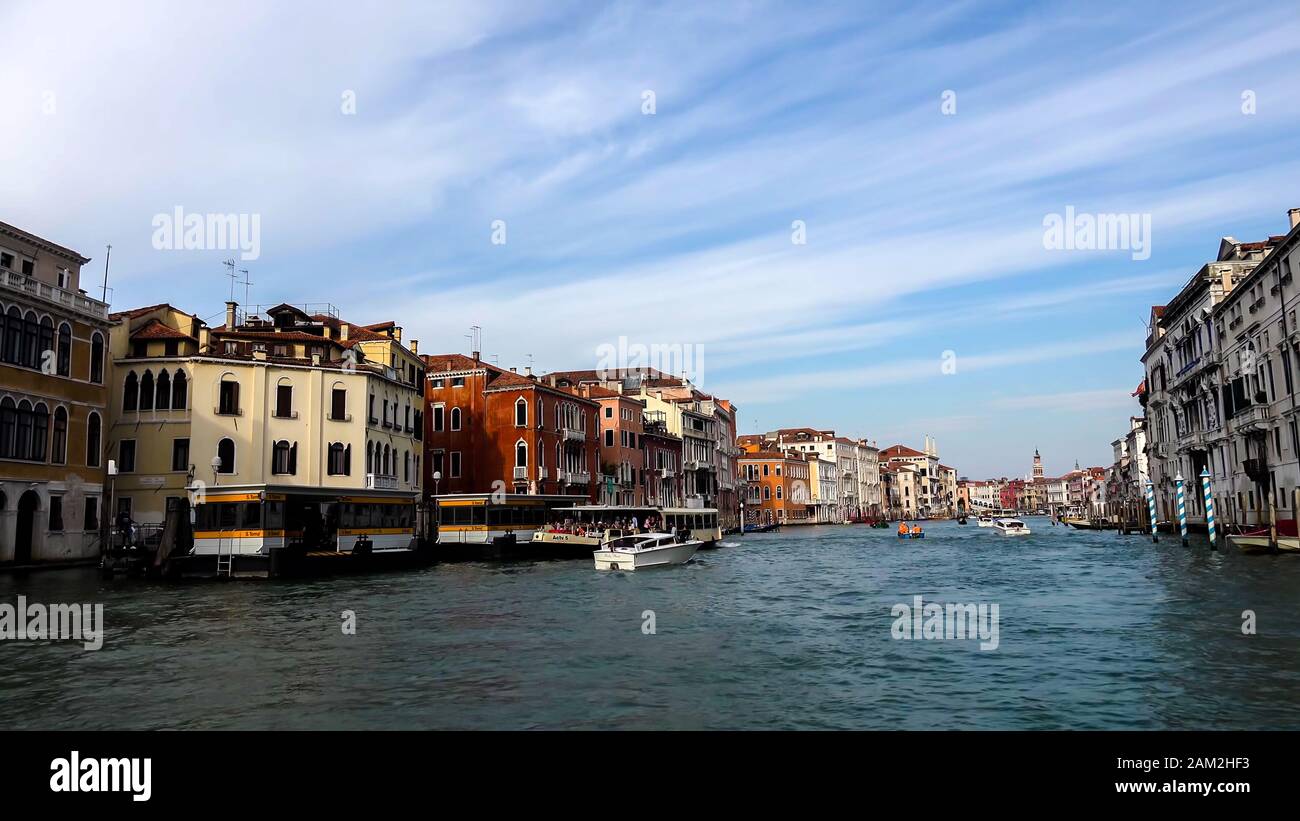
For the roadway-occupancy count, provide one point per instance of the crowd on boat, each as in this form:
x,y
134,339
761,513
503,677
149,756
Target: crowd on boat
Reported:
x,y
627,525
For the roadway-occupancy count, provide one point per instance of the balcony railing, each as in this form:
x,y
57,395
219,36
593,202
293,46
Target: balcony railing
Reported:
x,y
1252,419
690,464
573,434
521,473
376,481
666,473
52,293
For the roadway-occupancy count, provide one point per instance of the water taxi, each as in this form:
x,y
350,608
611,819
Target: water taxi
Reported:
x,y
643,550
583,528
985,520
1011,527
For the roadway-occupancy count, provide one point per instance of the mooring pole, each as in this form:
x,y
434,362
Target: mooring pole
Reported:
x,y
1272,523
1182,508
1151,509
1209,508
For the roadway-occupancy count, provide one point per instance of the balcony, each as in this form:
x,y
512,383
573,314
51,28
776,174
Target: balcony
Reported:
x,y
375,481
73,300
1253,419
542,473
573,434
667,473
574,477
690,464
521,473
1256,469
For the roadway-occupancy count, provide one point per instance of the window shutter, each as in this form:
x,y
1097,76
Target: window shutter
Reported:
x,y
293,458
347,460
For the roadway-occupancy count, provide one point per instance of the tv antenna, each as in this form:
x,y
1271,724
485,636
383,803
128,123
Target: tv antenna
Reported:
x,y
230,265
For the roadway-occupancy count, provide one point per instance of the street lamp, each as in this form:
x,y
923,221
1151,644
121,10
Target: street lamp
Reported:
x,y
216,469
437,477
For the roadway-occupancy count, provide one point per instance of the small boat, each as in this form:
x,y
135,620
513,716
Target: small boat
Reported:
x,y
985,521
1256,540
756,528
644,550
1011,527
920,534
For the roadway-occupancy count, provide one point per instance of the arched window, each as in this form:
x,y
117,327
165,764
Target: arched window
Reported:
x,y
46,340
31,356
13,336
387,457
93,446
97,358
40,432
179,397
521,454
164,391
370,457
130,392
521,413
146,391
284,457
226,453
455,418
338,459
65,350
8,425
59,445
23,437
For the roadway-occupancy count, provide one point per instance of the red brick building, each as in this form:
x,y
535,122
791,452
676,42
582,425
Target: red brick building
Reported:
x,y
622,461
490,429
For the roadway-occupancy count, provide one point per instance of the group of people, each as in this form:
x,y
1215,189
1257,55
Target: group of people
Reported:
x,y
903,529
627,525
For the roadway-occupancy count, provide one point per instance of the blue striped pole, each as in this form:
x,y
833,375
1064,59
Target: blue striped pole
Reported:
x,y
1151,508
1209,507
1182,508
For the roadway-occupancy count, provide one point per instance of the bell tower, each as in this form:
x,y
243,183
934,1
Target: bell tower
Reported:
x,y
1038,465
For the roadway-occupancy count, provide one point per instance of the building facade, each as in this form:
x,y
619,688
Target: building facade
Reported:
x,y
54,376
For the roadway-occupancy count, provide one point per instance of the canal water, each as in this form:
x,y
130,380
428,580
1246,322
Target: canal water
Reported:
x,y
780,630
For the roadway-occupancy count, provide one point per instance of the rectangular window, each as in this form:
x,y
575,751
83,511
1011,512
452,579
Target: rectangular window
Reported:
x,y
56,514
181,454
609,437
339,405
90,519
439,412
228,404
455,464
458,381
126,456
284,401
438,461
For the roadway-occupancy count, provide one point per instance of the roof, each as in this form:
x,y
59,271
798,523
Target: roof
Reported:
x,y
900,452
62,250
454,362
132,313
155,329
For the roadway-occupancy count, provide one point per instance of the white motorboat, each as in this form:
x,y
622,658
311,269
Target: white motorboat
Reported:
x,y
644,550
1011,527
986,521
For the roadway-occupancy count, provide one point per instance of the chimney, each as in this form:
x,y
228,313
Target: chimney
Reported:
x,y
475,355
397,332
415,346
231,307
315,358
205,338
528,371
512,370
1294,214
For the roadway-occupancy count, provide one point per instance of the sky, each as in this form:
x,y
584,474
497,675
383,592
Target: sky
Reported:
x,y
840,211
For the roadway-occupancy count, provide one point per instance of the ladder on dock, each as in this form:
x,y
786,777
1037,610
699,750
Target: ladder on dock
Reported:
x,y
225,558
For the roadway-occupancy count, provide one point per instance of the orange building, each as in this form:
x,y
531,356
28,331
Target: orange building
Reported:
x,y
777,489
488,429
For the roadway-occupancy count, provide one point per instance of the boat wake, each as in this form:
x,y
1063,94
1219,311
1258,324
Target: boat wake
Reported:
x,y
728,544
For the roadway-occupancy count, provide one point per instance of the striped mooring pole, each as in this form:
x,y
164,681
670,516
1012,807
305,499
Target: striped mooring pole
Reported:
x,y
1151,508
1182,508
1209,508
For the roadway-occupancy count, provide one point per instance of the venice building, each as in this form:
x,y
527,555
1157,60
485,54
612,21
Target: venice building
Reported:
x,y
53,342
291,399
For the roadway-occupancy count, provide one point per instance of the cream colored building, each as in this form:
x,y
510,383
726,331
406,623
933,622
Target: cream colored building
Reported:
x,y
824,475
289,398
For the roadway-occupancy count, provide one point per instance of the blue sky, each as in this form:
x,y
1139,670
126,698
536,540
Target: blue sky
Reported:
x,y
924,229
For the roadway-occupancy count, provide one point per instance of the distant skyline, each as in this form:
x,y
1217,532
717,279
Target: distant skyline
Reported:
x,y
831,203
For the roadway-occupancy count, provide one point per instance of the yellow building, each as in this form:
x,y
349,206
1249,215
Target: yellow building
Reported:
x,y
303,404
52,396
